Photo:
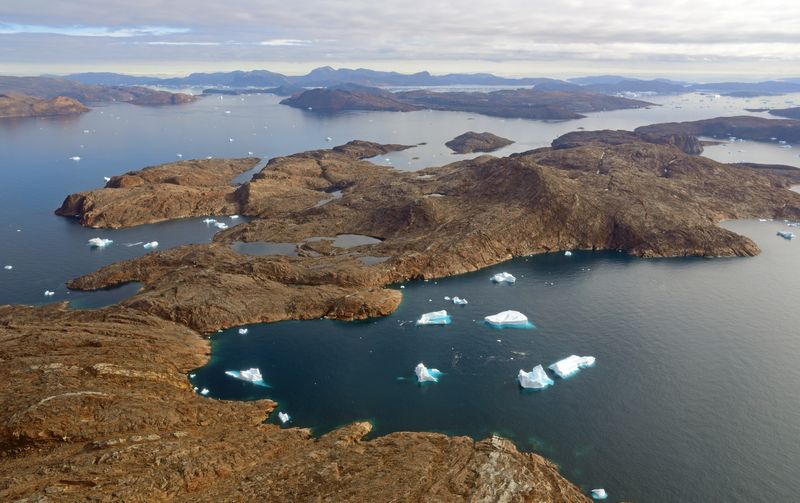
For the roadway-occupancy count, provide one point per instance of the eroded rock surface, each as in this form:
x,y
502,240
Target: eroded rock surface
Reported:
x,y
471,141
17,105
96,406
168,191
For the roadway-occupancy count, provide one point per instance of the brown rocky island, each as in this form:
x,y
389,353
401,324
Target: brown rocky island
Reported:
x,y
102,408
471,141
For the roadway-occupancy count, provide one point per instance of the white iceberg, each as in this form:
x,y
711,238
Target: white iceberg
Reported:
x,y
567,253
75,158
252,375
446,298
535,379
234,217
284,417
328,138
460,301
150,245
243,331
508,319
49,293
786,234
435,318
424,374
599,494
204,391
107,178
8,267
504,277
571,364
100,242
221,225
209,221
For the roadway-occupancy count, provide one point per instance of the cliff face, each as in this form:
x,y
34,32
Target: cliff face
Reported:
x,y
477,142
96,405
17,105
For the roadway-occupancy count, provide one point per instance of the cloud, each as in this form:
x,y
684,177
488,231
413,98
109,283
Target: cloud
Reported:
x,y
89,31
285,42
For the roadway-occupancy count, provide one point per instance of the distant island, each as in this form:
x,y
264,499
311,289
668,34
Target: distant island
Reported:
x,y
512,103
18,105
471,141
46,96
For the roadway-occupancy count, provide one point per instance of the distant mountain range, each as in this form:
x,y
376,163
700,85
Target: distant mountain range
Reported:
x,y
329,77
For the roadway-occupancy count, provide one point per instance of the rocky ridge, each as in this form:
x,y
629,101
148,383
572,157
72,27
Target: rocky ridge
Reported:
x,y
17,105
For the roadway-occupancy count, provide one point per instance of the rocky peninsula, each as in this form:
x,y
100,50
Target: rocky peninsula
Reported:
x,y
471,141
101,406
517,103
17,105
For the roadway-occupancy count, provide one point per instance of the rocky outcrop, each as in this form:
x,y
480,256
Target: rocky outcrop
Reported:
x,y
175,190
518,103
649,199
48,88
471,141
17,105
687,143
96,405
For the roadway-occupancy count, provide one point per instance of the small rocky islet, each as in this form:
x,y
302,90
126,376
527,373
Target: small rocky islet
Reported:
x,y
106,393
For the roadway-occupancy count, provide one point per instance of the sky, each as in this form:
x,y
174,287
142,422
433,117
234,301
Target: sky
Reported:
x,y
701,39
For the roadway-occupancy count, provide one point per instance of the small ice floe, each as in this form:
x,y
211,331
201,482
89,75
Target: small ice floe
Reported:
x,y
191,376
100,242
446,297
571,364
85,131
107,178
504,277
567,253
435,318
328,138
786,234
424,374
75,158
227,111
221,225
205,391
535,379
150,245
243,331
599,494
762,219
402,287
508,319
230,140
179,155
459,301
782,142
284,417
249,153
49,293
786,146
252,375
234,217
209,221
8,267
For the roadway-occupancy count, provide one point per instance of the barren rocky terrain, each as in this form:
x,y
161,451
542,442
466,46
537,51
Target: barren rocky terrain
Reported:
x,y
477,142
17,105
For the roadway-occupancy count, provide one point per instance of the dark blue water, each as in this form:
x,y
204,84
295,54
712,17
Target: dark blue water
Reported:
x,y
694,396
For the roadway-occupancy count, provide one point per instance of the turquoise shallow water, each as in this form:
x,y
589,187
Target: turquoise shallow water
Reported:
x,y
694,394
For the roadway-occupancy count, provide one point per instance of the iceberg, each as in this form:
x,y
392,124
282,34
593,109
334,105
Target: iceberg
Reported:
x,y
424,374
204,391
459,301
243,331
252,375
107,178
221,225
49,293
599,494
435,318
504,277
284,417
509,319
75,158
8,267
100,242
209,221
150,245
446,298
567,253
234,217
535,379
571,364
786,234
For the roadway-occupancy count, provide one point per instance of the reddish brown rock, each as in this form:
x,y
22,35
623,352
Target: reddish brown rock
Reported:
x,y
17,105
471,141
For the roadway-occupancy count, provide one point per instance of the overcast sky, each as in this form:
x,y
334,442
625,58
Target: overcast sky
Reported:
x,y
700,38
